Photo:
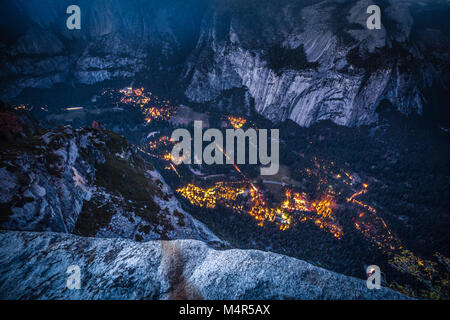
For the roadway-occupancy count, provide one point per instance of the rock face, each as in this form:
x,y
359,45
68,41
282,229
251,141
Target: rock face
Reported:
x,y
118,40
315,62
300,62
34,265
89,182
304,61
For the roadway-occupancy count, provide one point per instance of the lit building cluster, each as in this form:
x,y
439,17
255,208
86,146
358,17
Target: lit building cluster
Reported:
x,y
324,218
237,122
159,148
151,106
210,197
259,209
23,107
319,212
162,142
157,113
295,202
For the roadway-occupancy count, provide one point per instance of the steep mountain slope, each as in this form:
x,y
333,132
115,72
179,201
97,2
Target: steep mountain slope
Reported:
x,y
118,39
301,60
34,266
86,181
316,60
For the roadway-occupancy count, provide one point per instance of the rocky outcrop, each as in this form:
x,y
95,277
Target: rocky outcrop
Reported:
x,y
89,182
34,265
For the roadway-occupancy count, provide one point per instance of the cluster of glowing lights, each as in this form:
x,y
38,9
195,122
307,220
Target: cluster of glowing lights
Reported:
x,y
237,122
23,107
319,212
295,202
151,106
325,219
261,212
210,197
28,107
168,157
155,113
163,142
159,149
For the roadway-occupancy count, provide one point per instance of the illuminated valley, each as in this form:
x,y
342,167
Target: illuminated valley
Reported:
x,y
318,193
230,149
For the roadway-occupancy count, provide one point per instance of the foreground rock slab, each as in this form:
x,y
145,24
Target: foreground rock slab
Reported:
x,y
34,265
